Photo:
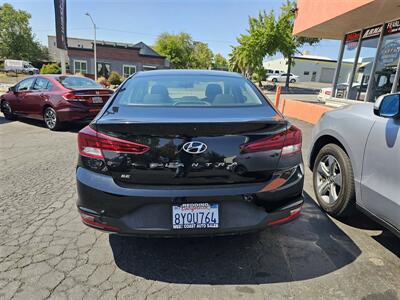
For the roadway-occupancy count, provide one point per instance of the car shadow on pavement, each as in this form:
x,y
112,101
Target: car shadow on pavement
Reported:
x,y
308,247
68,127
386,238
4,120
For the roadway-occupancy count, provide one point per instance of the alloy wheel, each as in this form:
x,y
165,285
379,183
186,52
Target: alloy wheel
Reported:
x,y
50,118
329,179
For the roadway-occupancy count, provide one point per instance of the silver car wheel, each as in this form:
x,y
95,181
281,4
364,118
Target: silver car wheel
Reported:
x,y
329,179
50,118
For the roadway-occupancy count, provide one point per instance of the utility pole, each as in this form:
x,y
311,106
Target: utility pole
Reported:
x,y
94,46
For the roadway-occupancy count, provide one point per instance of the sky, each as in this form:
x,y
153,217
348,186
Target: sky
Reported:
x,y
216,22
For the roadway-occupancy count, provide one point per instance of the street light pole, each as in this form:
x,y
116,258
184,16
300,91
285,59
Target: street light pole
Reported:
x,y
94,46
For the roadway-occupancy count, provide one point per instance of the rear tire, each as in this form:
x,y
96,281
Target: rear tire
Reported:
x,y
333,181
51,119
292,80
7,111
274,80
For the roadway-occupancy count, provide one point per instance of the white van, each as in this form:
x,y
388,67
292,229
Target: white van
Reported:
x,y
12,65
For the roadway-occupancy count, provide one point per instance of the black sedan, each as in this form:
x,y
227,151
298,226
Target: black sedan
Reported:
x,y
189,153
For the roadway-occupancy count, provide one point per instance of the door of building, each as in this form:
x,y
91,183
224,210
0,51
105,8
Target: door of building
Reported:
x,y
314,76
103,69
327,75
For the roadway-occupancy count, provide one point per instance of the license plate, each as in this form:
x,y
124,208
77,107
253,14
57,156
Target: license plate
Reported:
x,y
195,216
97,99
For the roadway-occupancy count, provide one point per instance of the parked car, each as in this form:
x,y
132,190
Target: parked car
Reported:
x,y
22,66
324,94
282,78
55,99
355,158
341,92
184,129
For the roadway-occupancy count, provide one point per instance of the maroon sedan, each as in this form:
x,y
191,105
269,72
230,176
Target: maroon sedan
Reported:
x,y
55,99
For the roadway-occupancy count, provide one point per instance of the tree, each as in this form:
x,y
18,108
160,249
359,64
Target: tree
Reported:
x,y
288,43
220,62
16,38
178,48
260,40
202,56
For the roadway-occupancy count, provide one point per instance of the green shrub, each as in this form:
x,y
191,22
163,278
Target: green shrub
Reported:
x,y
114,78
50,69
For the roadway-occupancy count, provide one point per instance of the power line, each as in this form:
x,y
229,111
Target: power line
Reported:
x,y
155,35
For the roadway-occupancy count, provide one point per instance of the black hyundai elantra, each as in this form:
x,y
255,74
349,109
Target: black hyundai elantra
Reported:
x,y
188,153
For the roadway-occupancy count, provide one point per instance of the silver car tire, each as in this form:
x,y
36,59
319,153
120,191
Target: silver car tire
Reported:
x,y
333,181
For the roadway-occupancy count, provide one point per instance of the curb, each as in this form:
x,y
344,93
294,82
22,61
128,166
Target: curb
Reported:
x,y
304,111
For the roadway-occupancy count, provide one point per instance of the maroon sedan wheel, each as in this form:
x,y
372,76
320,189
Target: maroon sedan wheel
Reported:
x,y
51,119
7,111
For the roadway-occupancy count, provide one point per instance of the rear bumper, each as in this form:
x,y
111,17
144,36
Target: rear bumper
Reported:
x,y
77,114
147,211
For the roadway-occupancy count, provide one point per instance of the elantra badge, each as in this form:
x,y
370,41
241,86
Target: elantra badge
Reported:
x,y
194,147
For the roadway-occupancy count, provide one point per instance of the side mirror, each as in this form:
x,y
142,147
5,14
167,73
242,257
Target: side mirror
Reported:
x,y
388,106
11,89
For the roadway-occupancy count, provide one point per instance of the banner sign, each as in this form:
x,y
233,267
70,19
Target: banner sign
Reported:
x,y
372,32
393,27
60,7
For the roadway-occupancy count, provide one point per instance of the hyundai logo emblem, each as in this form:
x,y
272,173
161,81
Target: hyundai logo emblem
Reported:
x,y
194,147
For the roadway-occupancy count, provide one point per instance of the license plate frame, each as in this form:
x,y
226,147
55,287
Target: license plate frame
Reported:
x,y
193,216
97,100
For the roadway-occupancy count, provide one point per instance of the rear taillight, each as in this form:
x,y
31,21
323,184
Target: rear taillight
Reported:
x,y
92,144
70,96
328,93
95,221
288,141
293,140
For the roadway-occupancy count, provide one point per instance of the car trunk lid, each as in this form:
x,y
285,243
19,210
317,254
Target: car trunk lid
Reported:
x,y
194,146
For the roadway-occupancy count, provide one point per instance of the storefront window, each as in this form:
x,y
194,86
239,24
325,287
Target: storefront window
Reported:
x,y
347,63
387,61
369,45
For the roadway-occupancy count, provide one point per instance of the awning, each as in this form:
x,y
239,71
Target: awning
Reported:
x,y
332,19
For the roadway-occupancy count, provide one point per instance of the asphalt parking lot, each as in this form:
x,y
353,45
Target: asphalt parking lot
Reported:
x,y
46,252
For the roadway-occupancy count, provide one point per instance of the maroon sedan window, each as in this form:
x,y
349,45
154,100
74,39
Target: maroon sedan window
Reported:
x,y
25,85
78,82
41,84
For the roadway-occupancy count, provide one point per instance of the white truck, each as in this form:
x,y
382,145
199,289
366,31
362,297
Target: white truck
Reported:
x,y
21,66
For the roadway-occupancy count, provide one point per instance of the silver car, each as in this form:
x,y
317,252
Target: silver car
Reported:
x,y
355,159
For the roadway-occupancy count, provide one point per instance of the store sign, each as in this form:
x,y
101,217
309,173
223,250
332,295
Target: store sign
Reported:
x,y
352,40
390,54
372,32
352,36
393,27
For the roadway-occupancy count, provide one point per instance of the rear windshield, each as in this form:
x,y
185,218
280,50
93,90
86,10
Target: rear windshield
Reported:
x,y
188,90
77,82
